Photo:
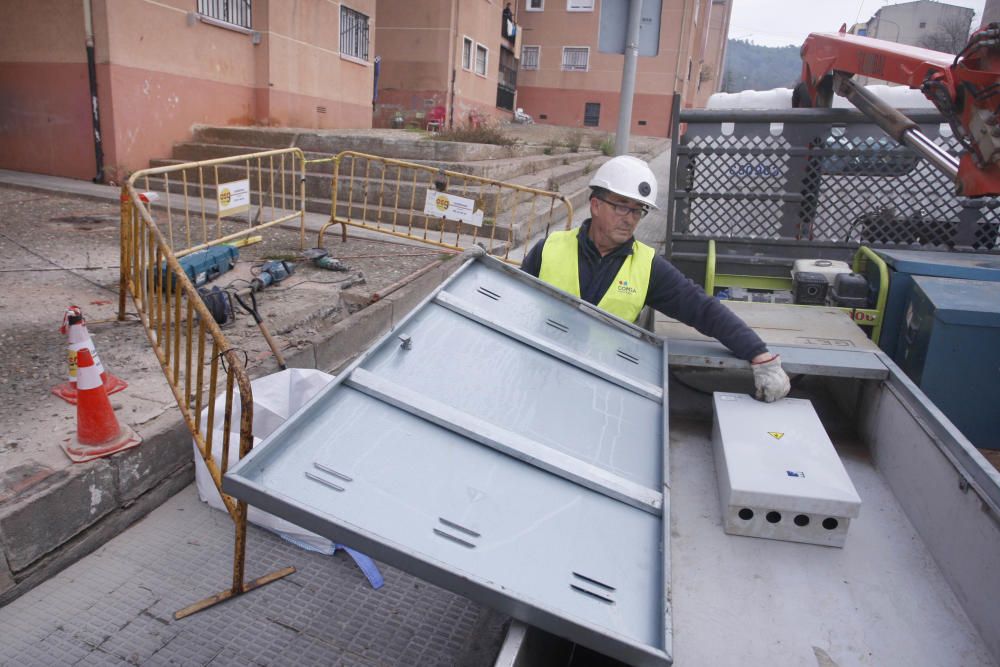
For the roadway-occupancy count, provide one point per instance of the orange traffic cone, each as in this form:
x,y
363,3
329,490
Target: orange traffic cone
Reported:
x,y
98,432
79,338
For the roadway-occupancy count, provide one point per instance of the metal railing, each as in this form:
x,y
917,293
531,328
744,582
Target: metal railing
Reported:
x,y
391,196
195,212
771,186
202,201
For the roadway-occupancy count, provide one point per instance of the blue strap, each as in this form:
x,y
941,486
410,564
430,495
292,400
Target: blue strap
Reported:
x,y
366,565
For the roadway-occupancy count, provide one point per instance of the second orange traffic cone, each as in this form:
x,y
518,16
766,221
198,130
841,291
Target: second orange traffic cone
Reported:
x,y
98,432
75,327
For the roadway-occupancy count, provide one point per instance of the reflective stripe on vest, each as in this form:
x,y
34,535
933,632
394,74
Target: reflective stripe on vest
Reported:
x,y
627,294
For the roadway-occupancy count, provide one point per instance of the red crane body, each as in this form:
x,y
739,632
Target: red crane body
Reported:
x,y
964,87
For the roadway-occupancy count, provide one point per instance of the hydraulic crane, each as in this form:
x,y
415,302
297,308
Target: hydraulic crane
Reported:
x,y
964,87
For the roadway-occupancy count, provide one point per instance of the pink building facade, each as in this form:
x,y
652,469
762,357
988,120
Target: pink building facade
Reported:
x,y
566,80
161,66
442,54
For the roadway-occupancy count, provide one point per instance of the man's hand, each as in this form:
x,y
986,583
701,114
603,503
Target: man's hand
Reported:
x,y
769,379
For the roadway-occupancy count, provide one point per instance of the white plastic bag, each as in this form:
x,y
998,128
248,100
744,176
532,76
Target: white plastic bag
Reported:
x,y
276,397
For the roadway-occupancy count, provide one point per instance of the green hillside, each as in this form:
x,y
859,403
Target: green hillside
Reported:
x,y
753,67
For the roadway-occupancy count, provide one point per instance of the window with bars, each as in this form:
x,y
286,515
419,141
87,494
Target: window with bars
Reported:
x,y
482,57
236,12
506,79
592,114
507,74
529,57
353,33
575,58
466,53
535,5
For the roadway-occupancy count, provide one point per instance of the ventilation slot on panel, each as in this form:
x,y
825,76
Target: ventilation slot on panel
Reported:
x,y
487,293
468,533
628,357
557,325
324,480
592,588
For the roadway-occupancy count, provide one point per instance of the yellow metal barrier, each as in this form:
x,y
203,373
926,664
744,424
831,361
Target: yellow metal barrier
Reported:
x,y
194,212
249,192
390,196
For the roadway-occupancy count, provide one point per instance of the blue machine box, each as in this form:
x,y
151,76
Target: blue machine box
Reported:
x,y
950,346
903,264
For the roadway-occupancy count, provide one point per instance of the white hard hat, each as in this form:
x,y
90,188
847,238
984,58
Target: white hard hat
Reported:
x,y
629,177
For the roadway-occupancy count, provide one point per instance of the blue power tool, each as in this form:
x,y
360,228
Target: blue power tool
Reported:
x,y
272,273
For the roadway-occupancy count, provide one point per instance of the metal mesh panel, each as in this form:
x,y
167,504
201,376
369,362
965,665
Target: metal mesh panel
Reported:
x,y
726,217
832,179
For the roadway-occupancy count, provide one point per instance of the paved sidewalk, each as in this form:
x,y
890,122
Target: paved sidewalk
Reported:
x,y
116,606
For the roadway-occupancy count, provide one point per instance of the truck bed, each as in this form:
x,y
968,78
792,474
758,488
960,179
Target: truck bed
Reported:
x,y
881,600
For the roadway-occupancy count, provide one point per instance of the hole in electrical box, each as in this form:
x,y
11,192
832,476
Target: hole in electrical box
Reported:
x,y
773,517
801,520
830,523
746,514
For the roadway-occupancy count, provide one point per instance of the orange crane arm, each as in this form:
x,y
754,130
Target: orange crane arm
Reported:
x,y
965,88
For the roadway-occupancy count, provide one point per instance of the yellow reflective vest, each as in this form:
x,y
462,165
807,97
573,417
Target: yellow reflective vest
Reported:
x,y
627,294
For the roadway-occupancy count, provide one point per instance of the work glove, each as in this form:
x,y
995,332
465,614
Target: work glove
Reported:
x,y
769,380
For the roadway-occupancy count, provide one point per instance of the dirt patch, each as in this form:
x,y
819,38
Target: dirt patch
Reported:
x,y
62,250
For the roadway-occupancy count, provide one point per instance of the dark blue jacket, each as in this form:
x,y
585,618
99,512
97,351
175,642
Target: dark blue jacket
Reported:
x,y
670,292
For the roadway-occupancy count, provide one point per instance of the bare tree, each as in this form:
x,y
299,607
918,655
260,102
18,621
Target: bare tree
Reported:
x,y
950,35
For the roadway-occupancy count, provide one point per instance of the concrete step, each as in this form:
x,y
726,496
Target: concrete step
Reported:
x,y
503,170
405,192
399,144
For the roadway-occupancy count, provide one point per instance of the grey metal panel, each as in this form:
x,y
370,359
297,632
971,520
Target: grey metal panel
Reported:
x,y
949,492
807,360
508,442
487,465
613,22
976,472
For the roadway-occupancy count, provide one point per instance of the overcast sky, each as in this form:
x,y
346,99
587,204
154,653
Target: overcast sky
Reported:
x,y
783,22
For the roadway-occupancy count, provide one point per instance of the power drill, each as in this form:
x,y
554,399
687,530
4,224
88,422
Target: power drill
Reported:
x,y
272,273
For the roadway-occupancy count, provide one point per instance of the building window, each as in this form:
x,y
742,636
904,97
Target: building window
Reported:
x,y
529,57
579,5
482,57
534,5
576,58
236,12
353,34
466,53
923,24
506,80
592,114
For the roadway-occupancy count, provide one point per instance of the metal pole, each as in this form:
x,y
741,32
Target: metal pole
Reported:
x,y
896,125
628,77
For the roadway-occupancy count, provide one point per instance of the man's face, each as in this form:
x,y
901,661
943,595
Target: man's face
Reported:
x,y
609,228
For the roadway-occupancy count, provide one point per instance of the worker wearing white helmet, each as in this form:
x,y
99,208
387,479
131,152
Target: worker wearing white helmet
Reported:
x,y
602,263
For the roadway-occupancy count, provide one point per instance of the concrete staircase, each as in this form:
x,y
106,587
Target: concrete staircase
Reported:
x,y
393,195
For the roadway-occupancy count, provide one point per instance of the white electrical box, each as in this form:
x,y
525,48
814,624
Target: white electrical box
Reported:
x,y
779,475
